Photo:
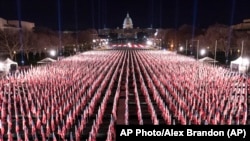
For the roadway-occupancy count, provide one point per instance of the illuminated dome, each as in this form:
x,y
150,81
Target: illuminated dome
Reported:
x,y
127,23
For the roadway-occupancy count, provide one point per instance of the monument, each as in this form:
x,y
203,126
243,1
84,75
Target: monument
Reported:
x,y
127,33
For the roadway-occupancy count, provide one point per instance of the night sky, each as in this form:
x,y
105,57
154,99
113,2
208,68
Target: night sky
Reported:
x,y
83,14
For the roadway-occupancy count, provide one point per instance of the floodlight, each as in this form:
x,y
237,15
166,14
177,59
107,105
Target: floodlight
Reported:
x,y
52,53
181,48
149,42
203,52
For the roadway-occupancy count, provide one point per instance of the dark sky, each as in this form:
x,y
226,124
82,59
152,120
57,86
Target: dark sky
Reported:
x,y
82,14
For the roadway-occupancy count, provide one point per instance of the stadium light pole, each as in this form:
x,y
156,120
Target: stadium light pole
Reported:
x,y
186,46
197,54
215,50
241,54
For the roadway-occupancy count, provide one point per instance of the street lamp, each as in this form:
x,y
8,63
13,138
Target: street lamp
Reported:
x,y
14,55
172,46
94,41
238,51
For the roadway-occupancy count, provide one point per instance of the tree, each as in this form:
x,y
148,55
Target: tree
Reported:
x,y
10,42
87,35
29,42
46,39
185,33
242,40
68,39
86,38
221,34
169,37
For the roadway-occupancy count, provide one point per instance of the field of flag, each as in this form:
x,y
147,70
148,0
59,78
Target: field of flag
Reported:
x,y
83,97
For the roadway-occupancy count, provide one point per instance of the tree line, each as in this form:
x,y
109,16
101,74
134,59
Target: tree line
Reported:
x,y
218,37
41,40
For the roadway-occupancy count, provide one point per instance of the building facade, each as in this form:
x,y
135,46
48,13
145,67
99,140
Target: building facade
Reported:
x,y
127,33
14,24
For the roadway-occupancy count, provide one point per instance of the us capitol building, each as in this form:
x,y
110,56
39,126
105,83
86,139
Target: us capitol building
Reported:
x,y
127,34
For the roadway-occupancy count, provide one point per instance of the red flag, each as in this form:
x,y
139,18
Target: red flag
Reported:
x,y
47,129
43,134
33,128
1,137
9,121
36,138
52,124
44,118
54,137
17,127
58,130
26,136
23,122
2,128
38,123
63,130
10,137
77,134
19,137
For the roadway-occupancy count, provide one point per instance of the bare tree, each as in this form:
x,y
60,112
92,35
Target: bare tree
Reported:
x,y
10,42
242,42
29,42
221,34
185,33
168,37
86,37
68,39
45,40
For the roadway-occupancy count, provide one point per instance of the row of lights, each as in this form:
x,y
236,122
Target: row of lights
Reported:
x,y
202,51
100,42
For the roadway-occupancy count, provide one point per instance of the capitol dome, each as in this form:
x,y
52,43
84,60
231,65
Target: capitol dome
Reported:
x,y
127,23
